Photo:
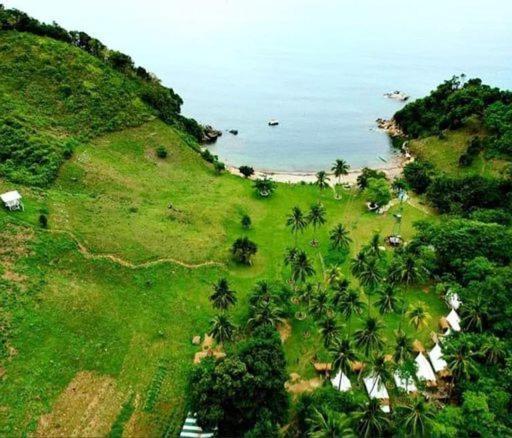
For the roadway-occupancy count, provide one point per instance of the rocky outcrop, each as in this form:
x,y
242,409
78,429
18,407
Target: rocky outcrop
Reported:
x,y
390,126
210,135
397,95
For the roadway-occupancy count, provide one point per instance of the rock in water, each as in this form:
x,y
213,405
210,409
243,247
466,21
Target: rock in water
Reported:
x,y
233,131
210,134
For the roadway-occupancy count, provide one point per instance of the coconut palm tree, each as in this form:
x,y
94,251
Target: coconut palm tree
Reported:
x,y
416,417
316,217
329,330
306,294
329,425
369,337
406,269
264,186
493,350
302,267
222,328
371,273
243,250
340,168
371,421
339,288
344,354
333,276
380,369
373,248
474,313
265,313
297,222
222,296
322,180
358,263
460,360
388,300
339,237
319,306
262,293
290,255
403,347
418,315
350,305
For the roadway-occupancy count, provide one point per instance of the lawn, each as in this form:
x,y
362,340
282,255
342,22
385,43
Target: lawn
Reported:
x,y
122,319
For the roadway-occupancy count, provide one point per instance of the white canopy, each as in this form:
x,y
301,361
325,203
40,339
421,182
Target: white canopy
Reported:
x,y
341,382
452,298
377,390
405,384
425,371
192,430
11,199
436,358
454,320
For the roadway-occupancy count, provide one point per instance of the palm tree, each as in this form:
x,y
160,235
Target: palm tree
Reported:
x,y
369,337
333,276
344,354
329,425
339,288
339,237
371,273
243,250
222,328
371,421
306,294
350,305
290,255
493,350
373,248
264,186
297,222
319,306
474,313
322,180
301,267
418,315
380,369
340,168
407,269
460,360
265,313
388,300
357,264
316,217
329,330
416,417
222,296
403,347
262,293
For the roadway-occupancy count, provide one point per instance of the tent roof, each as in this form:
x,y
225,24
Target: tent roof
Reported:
x,y
11,196
425,371
405,384
375,388
454,320
344,385
436,358
192,430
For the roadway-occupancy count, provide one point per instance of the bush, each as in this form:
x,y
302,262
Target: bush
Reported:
x,y
161,152
378,192
418,175
246,221
246,171
43,220
219,167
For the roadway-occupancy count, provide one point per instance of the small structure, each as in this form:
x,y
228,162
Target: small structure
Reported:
x,y
341,382
406,384
395,240
192,430
12,200
273,122
454,320
417,346
443,324
376,389
322,367
372,206
452,299
425,371
436,359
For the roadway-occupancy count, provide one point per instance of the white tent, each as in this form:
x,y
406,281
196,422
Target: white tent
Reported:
x,y
454,320
425,371
377,390
12,200
436,358
405,384
452,298
192,430
341,382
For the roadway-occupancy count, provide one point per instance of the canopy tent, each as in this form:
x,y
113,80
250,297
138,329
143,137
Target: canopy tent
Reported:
x,y
192,430
407,384
425,371
452,298
436,358
341,382
12,200
454,320
377,390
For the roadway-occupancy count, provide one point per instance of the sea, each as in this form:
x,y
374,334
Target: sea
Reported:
x,y
321,68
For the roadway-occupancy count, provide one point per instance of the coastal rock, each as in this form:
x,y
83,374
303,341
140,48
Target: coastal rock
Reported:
x,y
210,134
390,126
233,131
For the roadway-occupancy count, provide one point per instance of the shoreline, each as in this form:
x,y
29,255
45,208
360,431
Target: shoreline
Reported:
x,y
392,169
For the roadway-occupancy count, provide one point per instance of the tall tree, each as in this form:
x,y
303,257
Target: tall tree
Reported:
x,y
297,222
340,168
380,369
388,300
222,296
350,305
322,180
339,237
371,421
243,250
403,347
329,329
302,267
416,417
329,424
265,313
418,315
222,328
316,217
344,354
320,303
369,337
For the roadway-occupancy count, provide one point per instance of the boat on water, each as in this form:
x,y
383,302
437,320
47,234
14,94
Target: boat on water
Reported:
x,y
397,95
273,122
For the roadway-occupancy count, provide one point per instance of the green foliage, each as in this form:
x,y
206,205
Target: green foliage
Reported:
x,y
243,250
366,174
161,152
377,191
127,409
418,175
246,171
246,221
155,386
43,220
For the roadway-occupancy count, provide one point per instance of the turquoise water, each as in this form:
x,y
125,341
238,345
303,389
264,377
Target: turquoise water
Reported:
x,y
320,67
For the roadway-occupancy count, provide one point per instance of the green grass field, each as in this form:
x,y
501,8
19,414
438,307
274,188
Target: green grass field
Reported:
x,y
70,310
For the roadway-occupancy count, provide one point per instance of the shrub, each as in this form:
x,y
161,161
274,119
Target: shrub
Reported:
x,y
246,221
366,174
43,220
378,192
219,167
246,171
419,174
161,152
